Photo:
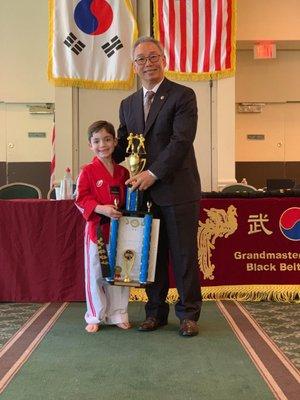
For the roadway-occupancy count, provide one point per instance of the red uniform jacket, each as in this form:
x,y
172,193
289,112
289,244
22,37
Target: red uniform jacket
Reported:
x,y
95,186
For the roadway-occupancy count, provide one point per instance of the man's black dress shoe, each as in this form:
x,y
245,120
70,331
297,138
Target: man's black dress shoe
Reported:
x,y
188,328
151,324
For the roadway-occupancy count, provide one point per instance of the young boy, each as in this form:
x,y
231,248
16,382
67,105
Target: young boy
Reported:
x,y
99,184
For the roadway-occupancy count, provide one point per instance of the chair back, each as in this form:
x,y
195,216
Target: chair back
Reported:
x,y
238,188
51,195
19,190
277,184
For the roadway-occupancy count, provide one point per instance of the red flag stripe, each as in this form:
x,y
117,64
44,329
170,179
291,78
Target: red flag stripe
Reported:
x,y
228,40
223,34
183,35
195,53
218,36
161,22
52,165
52,162
171,35
53,136
206,63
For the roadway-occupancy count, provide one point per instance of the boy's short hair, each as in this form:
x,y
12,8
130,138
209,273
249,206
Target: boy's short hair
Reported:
x,y
98,125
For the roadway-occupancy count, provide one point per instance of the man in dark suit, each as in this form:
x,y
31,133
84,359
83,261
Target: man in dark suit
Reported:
x,y
167,117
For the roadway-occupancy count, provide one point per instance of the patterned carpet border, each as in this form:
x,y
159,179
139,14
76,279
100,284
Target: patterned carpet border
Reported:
x,y
18,349
279,373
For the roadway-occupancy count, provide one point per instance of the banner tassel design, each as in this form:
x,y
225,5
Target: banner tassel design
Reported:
x,y
279,293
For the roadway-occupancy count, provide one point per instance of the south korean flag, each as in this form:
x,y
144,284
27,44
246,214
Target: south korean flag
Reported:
x,y
91,42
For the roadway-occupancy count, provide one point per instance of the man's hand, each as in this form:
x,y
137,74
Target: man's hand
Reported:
x,y
141,181
108,210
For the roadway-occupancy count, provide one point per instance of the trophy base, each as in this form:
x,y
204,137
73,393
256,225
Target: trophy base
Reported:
x,y
135,284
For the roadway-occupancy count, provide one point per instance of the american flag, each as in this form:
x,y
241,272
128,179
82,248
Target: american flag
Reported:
x,y
198,37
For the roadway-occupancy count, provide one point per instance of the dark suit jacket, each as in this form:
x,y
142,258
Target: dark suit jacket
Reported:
x,y
169,134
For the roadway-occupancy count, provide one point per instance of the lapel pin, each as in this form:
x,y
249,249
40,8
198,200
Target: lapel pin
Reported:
x,y
162,97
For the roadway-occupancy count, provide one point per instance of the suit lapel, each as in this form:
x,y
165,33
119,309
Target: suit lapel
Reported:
x,y
159,100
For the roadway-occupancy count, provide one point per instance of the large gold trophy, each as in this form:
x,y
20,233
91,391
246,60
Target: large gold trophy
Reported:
x,y
131,235
136,163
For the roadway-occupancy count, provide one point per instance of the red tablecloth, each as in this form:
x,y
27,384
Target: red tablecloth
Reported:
x,y
41,251
248,248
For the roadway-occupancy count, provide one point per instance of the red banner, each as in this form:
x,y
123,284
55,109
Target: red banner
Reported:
x,y
250,241
248,250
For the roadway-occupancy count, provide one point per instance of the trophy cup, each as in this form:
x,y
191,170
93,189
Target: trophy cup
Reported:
x,y
136,163
128,257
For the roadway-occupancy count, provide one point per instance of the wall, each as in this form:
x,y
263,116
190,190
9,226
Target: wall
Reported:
x,y
268,19
223,121
96,104
23,81
24,52
2,144
275,82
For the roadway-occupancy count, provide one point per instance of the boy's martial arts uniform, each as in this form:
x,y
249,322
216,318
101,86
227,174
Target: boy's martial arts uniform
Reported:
x,y
95,186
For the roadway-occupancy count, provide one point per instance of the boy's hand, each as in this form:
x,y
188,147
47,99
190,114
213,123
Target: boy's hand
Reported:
x,y
108,210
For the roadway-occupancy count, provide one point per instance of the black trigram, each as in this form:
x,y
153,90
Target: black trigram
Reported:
x,y
109,48
74,44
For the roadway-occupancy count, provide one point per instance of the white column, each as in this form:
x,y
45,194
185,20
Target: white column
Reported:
x,y
64,131
223,133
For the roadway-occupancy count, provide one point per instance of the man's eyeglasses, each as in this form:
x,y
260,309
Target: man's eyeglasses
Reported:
x,y
142,60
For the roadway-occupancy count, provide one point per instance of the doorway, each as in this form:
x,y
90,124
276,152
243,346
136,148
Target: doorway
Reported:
x,y
26,144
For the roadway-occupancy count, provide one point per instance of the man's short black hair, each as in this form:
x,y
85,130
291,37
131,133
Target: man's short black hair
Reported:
x,y
147,39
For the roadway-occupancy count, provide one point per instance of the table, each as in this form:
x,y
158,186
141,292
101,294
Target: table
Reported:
x,y
244,249
41,251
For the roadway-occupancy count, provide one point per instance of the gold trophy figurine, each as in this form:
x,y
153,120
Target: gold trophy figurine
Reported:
x,y
135,148
136,162
128,257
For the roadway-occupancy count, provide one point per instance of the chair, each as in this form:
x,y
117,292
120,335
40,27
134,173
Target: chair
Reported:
x,y
51,195
238,188
19,190
282,183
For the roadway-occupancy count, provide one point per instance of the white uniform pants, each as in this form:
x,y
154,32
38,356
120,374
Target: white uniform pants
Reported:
x,y
105,303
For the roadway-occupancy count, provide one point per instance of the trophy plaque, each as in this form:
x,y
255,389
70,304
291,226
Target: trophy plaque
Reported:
x,y
132,249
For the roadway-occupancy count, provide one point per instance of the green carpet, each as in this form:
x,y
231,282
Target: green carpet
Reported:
x,y
115,364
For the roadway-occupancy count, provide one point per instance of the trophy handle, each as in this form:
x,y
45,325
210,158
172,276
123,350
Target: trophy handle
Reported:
x,y
143,163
